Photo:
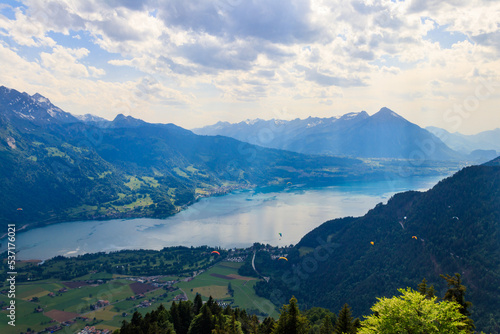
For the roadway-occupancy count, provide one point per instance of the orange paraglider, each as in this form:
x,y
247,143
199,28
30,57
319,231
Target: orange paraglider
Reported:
x,y
282,257
215,252
372,242
414,237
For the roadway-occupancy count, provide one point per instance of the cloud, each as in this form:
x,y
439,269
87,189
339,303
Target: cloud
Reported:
x,y
259,53
65,62
25,30
278,21
329,80
72,87
488,39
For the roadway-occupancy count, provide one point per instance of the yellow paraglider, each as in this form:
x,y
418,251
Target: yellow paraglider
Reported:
x,y
282,257
372,242
414,237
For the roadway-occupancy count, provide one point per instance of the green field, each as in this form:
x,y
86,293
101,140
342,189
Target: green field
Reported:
x,y
76,300
244,293
65,292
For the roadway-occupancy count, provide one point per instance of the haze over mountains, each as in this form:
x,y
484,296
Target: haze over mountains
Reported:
x,y
382,135
59,166
485,144
56,167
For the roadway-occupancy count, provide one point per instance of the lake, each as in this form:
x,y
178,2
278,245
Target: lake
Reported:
x,y
235,220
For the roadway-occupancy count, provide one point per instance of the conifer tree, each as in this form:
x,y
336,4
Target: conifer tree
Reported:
x,y
181,315
197,304
428,292
344,323
456,293
326,326
291,321
174,314
267,326
203,322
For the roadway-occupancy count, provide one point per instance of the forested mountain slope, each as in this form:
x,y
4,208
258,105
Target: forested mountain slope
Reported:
x,y
55,167
452,228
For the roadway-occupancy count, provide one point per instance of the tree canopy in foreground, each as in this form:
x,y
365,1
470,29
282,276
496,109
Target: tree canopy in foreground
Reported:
x,y
413,313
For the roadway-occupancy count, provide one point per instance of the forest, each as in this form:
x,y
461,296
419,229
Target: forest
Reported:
x,y
413,311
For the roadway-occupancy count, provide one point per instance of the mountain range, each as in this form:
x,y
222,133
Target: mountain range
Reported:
x,y
485,144
382,135
452,228
55,166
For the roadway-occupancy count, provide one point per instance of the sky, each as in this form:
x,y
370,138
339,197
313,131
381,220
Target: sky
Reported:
x,y
194,63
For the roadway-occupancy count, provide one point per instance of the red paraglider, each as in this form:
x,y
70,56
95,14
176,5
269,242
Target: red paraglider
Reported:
x,y
216,252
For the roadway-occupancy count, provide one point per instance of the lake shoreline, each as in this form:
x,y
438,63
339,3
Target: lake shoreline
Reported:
x,y
237,219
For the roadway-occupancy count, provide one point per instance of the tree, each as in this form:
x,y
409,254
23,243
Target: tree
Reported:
x,y
426,291
181,315
197,304
344,323
456,293
202,323
267,326
225,324
326,326
291,321
413,312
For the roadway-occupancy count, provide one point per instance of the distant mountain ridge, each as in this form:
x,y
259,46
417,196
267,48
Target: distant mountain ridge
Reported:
x,y
382,135
486,140
57,167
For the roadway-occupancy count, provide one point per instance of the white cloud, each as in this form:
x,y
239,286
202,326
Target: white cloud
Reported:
x,y
64,62
25,30
332,54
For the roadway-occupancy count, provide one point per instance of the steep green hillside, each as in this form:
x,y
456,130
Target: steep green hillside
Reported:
x,y
454,227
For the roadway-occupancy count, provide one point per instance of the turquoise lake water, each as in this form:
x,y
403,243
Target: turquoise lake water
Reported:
x,y
235,220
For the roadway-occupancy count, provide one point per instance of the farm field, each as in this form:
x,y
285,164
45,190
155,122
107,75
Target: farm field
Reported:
x,y
47,303
215,281
42,305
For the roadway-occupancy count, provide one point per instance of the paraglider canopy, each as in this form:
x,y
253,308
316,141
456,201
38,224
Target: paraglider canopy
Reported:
x,y
372,242
280,234
215,252
283,258
19,209
414,237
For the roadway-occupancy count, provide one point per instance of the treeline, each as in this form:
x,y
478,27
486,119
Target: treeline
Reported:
x,y
416,312
168,261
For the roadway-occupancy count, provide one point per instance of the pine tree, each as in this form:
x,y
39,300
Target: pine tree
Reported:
x,y
181,315
344,323
267,326
456,293
214,307
291,321
326,326
197,304
428,292
202,323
